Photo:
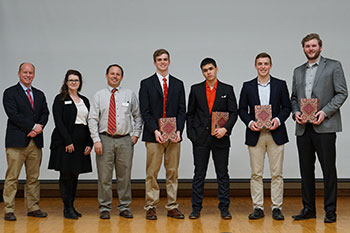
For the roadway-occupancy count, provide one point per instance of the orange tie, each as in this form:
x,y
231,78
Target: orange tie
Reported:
x,y
111,115
165,96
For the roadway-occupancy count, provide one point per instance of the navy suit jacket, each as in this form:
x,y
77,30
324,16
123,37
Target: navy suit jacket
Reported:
x,y
281,108
22,117
199,119
151,104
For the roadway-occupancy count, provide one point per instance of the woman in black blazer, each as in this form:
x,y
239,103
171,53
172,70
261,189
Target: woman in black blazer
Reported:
x,y
70,140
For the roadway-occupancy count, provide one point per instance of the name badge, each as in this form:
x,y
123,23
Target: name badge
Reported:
x,y
125,104
68,102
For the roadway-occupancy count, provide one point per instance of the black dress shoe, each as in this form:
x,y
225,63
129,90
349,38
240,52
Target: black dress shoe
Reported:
x,y
225,214
126,214
257,213
305,214
105,215
277,214
195,214
37,213
10,217
330,217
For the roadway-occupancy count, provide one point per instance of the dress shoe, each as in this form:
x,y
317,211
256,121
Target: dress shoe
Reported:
x,y
305,214
277,214
257,213
175,213
69,213
194,214
10,217
37,213
126,214
330,217
105,215
77,213
225,214
151,214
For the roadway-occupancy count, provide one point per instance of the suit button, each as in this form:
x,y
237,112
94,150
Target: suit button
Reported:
x,y
207,128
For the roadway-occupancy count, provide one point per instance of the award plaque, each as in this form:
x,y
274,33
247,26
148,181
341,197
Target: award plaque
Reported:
x,y
263,115
218,120
308,109
167,127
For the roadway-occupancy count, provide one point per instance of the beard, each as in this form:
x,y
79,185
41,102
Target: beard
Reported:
x,y
317,54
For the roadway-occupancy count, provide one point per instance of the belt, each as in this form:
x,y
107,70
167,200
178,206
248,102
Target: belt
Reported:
x,y
114,136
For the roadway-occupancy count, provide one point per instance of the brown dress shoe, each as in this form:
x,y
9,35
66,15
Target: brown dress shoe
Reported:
x,y
10,217
175,213
37,214
151,214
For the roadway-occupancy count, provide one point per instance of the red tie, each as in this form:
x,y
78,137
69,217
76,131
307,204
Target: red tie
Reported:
x,y
111,114
165,96
30,98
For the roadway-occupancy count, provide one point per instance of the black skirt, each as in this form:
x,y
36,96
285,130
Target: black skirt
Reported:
x,y
75,162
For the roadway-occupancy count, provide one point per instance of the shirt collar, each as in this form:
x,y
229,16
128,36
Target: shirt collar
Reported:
x,y
25,88
111,88
317,63
160,77
264,84
215,86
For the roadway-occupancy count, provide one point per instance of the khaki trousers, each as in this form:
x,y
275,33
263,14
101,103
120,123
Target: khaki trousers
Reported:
x,y
257,156
116,153
155,153
30,156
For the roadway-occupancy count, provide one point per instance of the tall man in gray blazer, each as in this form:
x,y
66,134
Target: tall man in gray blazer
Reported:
x,y
320,78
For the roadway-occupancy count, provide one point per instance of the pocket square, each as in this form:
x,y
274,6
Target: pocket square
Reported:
x,y
223,96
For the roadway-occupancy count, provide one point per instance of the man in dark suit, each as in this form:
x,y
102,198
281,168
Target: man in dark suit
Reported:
x,y
162,95
207,97
265,90
27,114
324,79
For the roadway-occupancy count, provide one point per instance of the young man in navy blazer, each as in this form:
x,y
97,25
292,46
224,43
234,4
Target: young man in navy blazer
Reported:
x,y
265,90
27,113
162,95
207,97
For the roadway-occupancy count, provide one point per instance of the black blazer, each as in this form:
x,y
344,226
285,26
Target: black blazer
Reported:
x,y
199,119
151,104
281,108
64,115
22,117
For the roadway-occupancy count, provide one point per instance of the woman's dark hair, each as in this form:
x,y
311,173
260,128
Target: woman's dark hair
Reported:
x,y
64,88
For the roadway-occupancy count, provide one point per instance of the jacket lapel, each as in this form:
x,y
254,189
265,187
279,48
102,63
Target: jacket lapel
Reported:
x,y
24,96
272,89
256,92
156,84
319,71
204,96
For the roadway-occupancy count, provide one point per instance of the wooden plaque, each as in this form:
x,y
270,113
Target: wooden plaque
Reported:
x,y
167,127
263,116
218,120
309,108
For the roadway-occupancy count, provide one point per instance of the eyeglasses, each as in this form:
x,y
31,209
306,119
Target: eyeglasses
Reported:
x,y
73,80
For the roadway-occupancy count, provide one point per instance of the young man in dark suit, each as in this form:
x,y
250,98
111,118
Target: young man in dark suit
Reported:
x,y
265,90
324,79
207,97
27,113
162,95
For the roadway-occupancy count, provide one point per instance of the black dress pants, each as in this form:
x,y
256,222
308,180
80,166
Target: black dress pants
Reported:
x,y
323,144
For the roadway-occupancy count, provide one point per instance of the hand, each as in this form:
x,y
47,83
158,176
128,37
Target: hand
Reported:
x,y
134,139
38,128
98,148
87,150
178,137
220,132
159,137
254,127
274,124
31,134
298,118
320,116
70,148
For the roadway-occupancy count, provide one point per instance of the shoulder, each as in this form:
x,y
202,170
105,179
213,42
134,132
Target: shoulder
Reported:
x,y
38,91
250,82
225,85
198,85
175,79
149,79
277,80
11,89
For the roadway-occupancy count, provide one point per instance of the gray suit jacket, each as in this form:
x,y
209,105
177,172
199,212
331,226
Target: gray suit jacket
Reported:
x,y
329,87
